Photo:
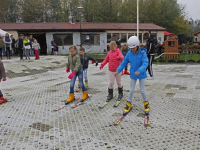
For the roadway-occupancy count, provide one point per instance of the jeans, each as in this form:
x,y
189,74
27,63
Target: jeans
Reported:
x,y
132,89
80,78
85,75
31,52
8,51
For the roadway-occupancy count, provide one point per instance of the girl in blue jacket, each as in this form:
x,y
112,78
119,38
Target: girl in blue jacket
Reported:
x,y
139,62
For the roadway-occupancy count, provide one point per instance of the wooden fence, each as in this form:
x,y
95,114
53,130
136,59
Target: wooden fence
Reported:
x,y
182,48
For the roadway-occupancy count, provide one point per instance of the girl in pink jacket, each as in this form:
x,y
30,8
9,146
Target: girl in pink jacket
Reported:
x,y
114,58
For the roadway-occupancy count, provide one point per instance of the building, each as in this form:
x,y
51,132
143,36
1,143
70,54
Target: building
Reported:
x,y
94,37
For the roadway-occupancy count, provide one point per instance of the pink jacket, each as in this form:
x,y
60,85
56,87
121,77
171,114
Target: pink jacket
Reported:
x,y
111,59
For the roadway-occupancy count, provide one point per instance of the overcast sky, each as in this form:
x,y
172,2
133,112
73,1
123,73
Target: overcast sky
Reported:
x,y
193,8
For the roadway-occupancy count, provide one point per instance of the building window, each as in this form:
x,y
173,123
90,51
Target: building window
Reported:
x,y
130,34
63,39
123,37
115,36
90,39
109,37
153,35
140,37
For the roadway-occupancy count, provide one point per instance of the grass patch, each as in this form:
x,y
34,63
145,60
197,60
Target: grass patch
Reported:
x,y
92,55
98,56
195,57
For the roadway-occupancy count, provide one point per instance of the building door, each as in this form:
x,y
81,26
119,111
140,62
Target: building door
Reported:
x,y
41,38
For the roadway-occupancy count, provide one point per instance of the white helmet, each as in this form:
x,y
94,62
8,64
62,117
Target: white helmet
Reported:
x,y
133,41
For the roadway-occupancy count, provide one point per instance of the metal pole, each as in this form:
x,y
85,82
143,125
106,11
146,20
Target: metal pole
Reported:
x,y
138,18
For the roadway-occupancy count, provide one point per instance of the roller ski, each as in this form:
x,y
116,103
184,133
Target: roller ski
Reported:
x,y
84,97
120,97
69,100
146,110
109,98
127,109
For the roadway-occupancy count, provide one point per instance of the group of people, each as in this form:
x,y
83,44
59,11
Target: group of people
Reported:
x,y
26,47
22,46
139,59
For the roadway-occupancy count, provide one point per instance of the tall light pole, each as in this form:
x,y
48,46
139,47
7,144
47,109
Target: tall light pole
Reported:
x,y
138,19
80,9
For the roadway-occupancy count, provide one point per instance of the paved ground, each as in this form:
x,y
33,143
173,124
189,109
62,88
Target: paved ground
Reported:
x,y
36,88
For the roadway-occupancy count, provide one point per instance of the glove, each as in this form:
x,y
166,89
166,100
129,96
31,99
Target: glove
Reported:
x,y
71,75
117,57
101,67
96,63
68,70
4,79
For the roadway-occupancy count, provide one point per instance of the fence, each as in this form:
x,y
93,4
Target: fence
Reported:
x,y
181,48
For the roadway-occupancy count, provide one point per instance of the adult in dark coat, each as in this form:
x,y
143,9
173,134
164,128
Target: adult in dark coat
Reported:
x,y
150,54
20,46
13,44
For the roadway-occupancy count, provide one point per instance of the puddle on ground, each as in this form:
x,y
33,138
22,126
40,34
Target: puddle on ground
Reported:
x,y
40,126
170,94
100,73
141,115
56,62
184,76
175,86
117,114
197,87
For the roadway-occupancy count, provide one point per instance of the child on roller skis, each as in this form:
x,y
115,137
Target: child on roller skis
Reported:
x,y
75,65
2,75
139,62
114,58
85,62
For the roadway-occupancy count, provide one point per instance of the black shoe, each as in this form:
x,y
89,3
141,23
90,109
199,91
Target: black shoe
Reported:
x,y
120,91
110,94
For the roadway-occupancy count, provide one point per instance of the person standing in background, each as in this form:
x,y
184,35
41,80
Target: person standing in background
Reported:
x,y
13,44
52,46
27,47
8,45
1,46
31,39
36,47
20,46
118,42
159,48
150,54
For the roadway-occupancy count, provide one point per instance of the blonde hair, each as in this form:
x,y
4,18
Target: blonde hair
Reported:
x,y
112,43
74,48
